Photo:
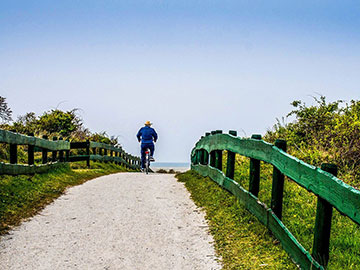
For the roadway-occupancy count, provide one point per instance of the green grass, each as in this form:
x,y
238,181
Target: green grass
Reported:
x,y
23,196
299,211
240,239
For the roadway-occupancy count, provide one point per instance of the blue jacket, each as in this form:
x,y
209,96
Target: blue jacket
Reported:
x,y
147,135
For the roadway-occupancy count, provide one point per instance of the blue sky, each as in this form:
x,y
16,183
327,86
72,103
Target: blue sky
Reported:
x,y
188,66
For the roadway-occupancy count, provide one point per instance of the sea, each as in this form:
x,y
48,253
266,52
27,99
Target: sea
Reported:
x,y
176,166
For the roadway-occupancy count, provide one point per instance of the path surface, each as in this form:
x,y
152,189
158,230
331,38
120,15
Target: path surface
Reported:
x,y
120,221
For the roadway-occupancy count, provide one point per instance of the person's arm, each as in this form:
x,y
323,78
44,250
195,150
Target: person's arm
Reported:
x,y
138,135
155,136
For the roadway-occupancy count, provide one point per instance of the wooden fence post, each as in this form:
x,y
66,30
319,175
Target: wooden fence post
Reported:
x,y
206,154
13,151
88,154
54,153
254,183
323,223
212,154
31,151
199,157
278,184
44,152
230,164
218,155
116,154
61,152
67,153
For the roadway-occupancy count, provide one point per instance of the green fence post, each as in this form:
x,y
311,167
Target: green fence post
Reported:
x,y
44,152
67,153
13,153
121,156
199,156
254,183
31,151
88,154
105,154
212,154
230,164
54,153
218,156
61,152
206,154
94,150
278,184
323,223
116,154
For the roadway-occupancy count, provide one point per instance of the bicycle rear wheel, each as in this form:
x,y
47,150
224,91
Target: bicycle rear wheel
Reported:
x,y
147,163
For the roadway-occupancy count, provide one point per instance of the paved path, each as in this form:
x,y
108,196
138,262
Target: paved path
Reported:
x,y
120,221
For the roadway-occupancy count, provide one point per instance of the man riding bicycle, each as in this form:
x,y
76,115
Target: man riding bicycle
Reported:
x,y
147,135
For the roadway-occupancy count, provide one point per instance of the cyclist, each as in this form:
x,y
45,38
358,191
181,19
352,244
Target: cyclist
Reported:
x,y
147,136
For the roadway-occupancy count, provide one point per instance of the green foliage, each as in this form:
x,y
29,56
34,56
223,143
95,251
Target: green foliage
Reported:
x,y
66,124
25,124
324,132
52,123
102,137
59,122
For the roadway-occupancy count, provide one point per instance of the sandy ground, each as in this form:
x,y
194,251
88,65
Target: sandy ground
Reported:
x,y
120,221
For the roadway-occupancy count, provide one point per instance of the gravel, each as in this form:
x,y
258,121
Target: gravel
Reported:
x,y
119,221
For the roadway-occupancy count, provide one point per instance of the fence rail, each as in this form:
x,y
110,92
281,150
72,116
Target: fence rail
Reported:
x,y
60,153
206,159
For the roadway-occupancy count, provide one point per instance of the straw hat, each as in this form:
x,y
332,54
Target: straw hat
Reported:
x,y
147,123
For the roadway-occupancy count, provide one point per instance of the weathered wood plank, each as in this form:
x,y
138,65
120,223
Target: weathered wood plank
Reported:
x,y
16,138
106,146
78,158
343,197
78,145
18,169
113,159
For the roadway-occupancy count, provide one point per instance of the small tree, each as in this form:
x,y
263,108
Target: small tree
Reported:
x,y
5,111
26,123
60,122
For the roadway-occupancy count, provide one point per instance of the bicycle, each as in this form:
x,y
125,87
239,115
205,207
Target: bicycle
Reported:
x,y
147,160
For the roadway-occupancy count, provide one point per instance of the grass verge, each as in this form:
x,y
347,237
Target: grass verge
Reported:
x,y
299,212
240,239
23,196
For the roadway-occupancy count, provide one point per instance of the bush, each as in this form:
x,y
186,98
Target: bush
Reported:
x,y
324,132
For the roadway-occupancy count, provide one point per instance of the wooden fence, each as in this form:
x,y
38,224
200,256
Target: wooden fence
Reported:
x,y
60,153
206,159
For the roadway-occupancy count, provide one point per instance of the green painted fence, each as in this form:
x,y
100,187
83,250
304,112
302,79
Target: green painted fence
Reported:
x,y
206,159
60,151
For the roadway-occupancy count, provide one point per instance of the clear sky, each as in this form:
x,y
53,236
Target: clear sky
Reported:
x,y
187,66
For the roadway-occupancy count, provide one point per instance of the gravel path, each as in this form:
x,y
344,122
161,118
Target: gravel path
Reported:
x,y
119,221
